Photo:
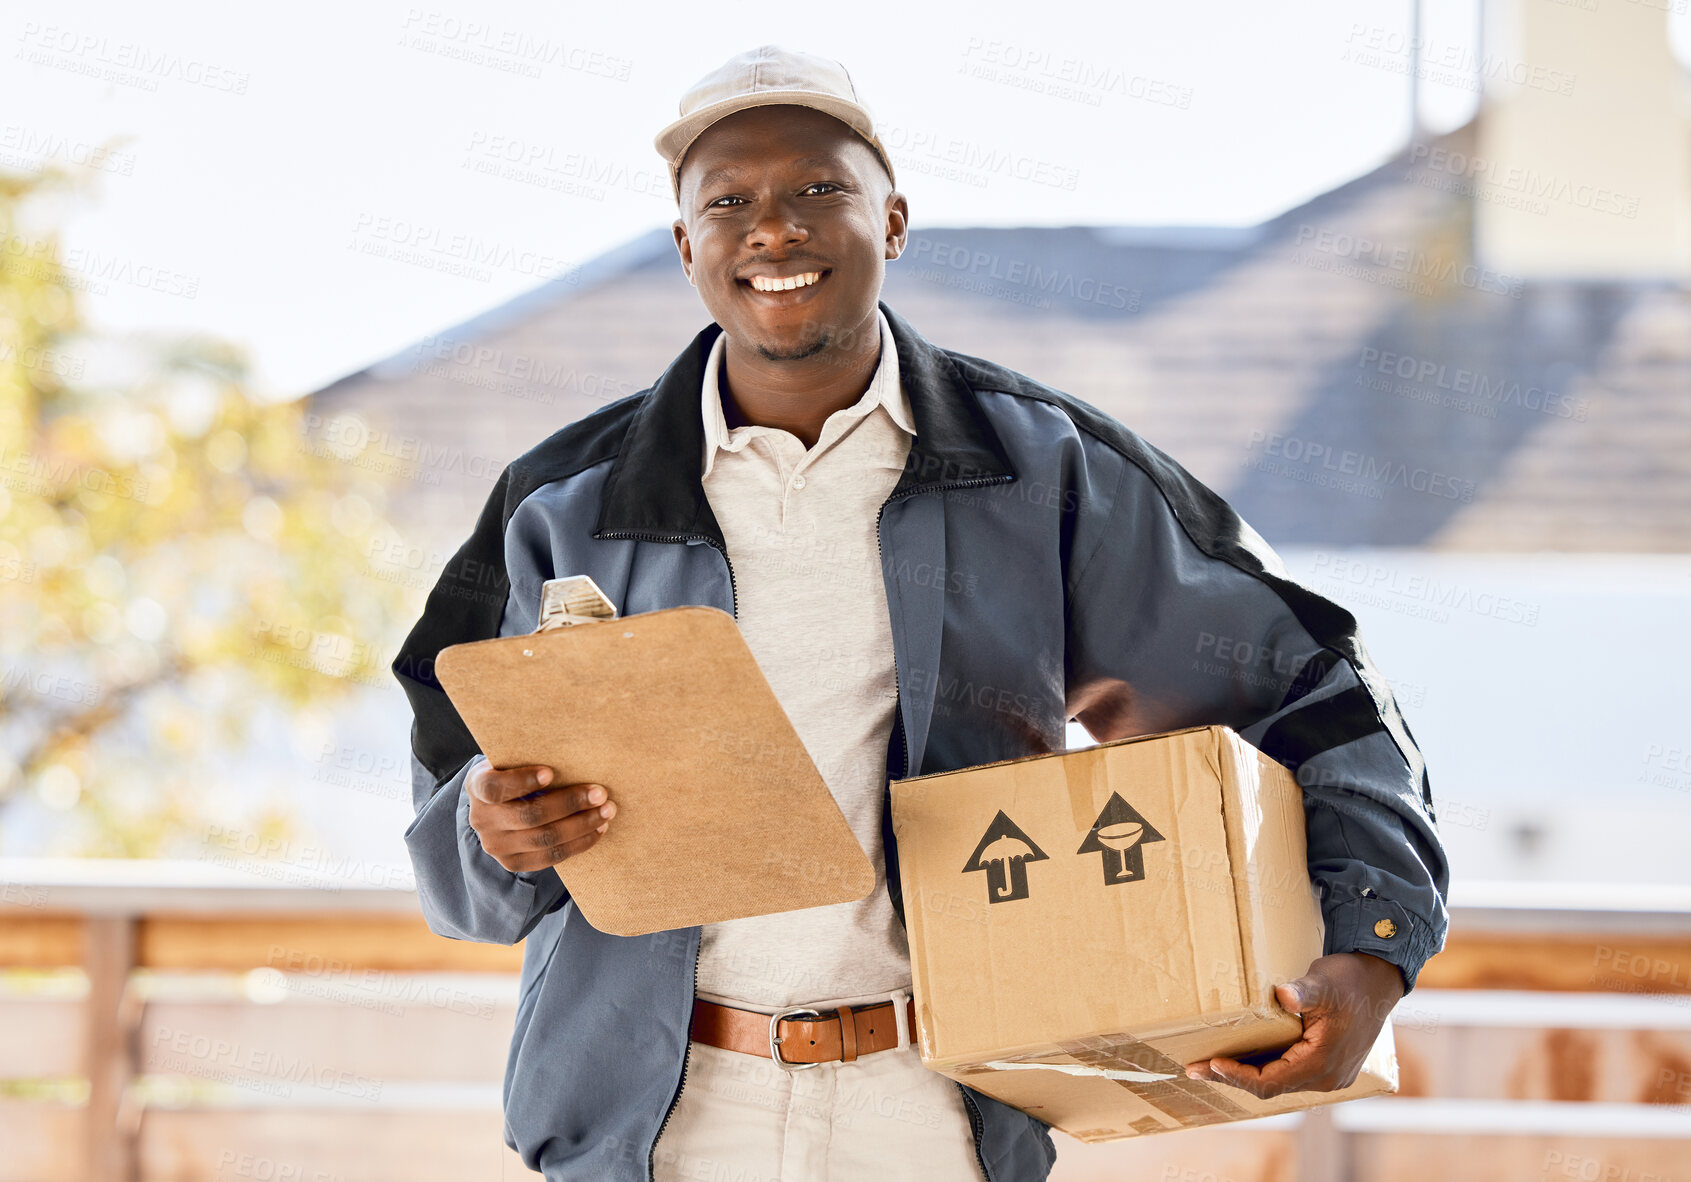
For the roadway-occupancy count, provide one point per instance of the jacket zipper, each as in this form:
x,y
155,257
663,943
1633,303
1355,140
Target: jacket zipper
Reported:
x,y
720,548
686,1054
898,694
880,551
976,1126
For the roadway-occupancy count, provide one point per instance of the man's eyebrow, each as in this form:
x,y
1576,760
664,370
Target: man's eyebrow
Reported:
x,y
727,172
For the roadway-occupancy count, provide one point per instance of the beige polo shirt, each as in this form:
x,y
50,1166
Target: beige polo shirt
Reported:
x,y
800,527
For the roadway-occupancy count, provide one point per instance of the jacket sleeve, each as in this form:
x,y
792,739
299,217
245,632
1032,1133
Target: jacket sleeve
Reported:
x,y
464,892
1181,615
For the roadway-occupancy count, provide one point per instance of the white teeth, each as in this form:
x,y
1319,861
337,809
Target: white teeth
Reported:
x,y
763,283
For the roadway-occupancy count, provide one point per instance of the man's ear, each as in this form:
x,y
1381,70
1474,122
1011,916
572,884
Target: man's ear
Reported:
x,y
898,223
685,248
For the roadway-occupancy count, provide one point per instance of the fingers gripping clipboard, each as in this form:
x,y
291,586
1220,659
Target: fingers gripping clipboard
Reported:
x,y
721,814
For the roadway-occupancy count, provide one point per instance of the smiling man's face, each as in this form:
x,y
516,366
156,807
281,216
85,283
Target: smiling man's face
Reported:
x,y
787,221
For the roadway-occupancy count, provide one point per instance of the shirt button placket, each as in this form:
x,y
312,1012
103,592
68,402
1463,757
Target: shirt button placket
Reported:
x,y
792,454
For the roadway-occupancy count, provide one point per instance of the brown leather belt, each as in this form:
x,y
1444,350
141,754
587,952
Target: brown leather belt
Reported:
x,y
793,1037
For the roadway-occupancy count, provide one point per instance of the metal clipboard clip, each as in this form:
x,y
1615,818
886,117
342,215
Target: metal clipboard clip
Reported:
x,y
575,599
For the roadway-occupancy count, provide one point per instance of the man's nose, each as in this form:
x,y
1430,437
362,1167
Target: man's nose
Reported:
x,y
775,228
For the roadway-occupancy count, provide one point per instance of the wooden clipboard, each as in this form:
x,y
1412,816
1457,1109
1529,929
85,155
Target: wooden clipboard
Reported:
x,y
721,814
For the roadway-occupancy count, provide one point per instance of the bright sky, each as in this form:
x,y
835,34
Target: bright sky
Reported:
x,y
302,182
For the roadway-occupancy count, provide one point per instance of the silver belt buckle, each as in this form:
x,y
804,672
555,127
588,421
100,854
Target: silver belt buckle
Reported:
x,y
775,1039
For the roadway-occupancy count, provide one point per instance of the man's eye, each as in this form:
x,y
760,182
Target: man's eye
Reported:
x,y
821,185
720,200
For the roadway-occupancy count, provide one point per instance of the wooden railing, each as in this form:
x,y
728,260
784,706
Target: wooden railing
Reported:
x,y
177,1021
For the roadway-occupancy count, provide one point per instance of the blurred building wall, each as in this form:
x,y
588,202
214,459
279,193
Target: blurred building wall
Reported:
x,y
1587,107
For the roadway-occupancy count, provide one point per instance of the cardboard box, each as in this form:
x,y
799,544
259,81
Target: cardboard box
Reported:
x,y
1084,924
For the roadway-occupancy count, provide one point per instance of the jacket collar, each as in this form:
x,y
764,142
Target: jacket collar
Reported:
x,y
655,485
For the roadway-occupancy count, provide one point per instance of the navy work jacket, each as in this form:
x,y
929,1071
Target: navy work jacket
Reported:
x,y
1042,563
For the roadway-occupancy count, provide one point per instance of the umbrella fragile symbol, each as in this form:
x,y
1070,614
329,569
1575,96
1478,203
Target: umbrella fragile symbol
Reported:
x,y
1004,852
1120,835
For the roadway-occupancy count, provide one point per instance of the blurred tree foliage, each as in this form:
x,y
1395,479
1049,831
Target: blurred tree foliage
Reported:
x,y
177,559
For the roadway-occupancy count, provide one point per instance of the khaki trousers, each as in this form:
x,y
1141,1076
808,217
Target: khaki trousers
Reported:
x,y
883,1117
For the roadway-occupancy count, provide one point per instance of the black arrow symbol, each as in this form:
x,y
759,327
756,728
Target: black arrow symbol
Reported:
x,y
1004,852
1120,835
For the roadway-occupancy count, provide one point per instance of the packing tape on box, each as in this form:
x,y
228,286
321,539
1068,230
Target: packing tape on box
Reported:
x,y
1143,1070
1077,1069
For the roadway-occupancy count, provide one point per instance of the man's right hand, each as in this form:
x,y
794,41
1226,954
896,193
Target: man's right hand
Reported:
x,y
532,834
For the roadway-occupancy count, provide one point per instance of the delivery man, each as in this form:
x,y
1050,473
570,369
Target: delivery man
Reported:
x,y
937,562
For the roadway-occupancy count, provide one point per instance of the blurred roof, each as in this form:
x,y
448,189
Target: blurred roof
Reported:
x,y
1344,374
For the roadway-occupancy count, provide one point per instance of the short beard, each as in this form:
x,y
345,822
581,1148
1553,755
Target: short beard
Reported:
x,y
800,352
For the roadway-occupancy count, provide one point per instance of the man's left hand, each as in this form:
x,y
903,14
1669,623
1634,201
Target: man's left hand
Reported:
x,y
1343,999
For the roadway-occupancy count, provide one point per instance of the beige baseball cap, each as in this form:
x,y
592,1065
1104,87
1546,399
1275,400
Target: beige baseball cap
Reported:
x,y
762,77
